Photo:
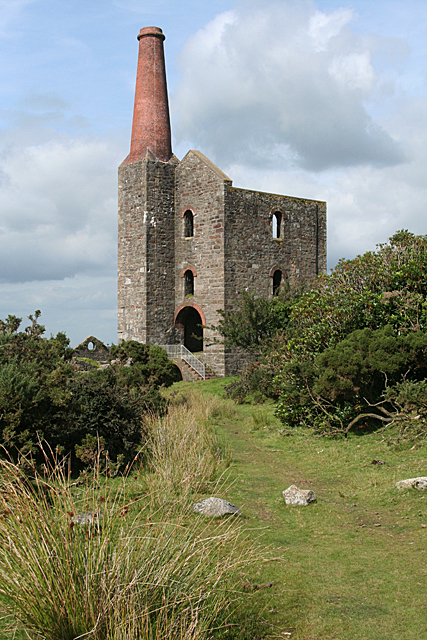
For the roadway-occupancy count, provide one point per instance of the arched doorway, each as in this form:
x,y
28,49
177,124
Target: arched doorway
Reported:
x,y
191,320
177,373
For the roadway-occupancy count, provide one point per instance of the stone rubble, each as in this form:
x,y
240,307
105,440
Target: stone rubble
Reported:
x,y
301,497
216,507
416,483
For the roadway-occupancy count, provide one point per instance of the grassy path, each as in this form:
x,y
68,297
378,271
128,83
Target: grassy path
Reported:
x,y
352,565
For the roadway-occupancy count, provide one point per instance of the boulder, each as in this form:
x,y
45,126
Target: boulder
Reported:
x,y
302,497
215,507
416,483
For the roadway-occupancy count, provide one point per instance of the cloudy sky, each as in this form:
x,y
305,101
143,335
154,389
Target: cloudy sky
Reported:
x,y
321,99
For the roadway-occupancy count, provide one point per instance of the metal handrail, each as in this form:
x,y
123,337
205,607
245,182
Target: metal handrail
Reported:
x,y
180,351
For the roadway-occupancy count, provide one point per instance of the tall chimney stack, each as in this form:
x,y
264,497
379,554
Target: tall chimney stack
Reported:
x,y
151,125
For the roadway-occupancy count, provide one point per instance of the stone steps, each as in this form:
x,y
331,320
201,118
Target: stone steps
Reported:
x,y
190,374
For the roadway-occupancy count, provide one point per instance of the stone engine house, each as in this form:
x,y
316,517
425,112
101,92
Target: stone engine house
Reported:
x,y
188,241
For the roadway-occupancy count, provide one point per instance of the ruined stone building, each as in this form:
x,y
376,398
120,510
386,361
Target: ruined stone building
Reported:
x,y
188,241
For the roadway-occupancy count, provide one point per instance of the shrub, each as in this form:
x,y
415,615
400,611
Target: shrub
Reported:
x,y
254,384
351,378
253,324
43,397
147,365
383,287
102,407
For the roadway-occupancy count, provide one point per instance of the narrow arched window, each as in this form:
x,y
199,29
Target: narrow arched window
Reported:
x,y
189,283
188,224
277,280
277,224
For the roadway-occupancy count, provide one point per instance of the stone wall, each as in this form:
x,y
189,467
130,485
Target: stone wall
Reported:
x,y
232,249
92,348
146,251
200,189
253,255
160,248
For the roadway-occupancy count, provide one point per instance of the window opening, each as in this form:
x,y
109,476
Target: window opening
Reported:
x,y
189,283
188,224
277,224
277,280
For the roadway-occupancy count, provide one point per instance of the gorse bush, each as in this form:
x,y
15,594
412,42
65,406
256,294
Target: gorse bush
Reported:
x,y
149,365
33,383
359,332
43,397
254,384
255,321
383,287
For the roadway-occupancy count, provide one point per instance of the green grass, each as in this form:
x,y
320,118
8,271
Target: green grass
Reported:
x,y
145,566
353,565
350,566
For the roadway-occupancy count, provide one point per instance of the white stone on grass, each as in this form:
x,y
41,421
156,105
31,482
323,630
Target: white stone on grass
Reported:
x,y
216,507
301,497
416,483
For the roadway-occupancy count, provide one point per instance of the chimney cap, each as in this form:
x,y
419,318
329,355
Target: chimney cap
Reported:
x,y
151,31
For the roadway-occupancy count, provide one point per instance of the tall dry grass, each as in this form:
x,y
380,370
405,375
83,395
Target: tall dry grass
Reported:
x,y
185,456
98,561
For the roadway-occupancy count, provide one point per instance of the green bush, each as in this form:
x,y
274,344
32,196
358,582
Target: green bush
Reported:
x,y
102,407
43,396
255,321
351,378
383,287
146,365
254,384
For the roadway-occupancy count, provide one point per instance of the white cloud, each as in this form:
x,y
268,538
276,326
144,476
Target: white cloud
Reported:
x,y
353,71
322,26
282,83
57,210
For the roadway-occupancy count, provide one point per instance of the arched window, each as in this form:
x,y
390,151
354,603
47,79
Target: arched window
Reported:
x,y
189,283
188,224
277,280
277,224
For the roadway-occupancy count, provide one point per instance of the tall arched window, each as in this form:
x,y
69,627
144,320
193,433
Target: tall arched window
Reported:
x,y
189,283
188,224
277,224
277,280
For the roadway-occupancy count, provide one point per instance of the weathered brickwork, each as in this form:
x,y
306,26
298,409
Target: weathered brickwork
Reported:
x,y
189,242
231,249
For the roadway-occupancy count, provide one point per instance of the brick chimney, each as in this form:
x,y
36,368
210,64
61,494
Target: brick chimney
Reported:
x,y
151,125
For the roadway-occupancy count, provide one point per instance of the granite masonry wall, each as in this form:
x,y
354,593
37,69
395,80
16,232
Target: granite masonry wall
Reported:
x,y
253,254
146,251
200,189
231,249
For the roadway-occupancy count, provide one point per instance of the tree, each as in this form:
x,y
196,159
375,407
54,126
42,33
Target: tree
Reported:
x,y
386,286
254,323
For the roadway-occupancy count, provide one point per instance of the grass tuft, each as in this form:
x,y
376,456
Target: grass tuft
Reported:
x,y
186,456
107,561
